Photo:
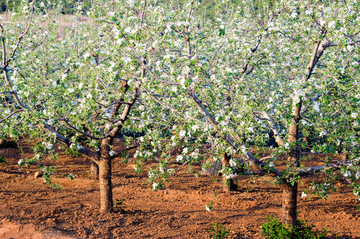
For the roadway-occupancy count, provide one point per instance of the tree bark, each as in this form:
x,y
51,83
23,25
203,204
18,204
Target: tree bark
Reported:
x,y
290,189
94,170
228,184
106,197
289,203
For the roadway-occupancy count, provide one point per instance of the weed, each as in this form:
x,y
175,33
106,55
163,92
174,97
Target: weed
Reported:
x,y
218,231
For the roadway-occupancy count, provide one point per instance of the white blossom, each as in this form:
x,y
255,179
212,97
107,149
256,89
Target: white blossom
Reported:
x,y
195,127
231,175
316,107
179,158
49,145
208,208
182,133
232,163
331,24
112,153
308,12
347,174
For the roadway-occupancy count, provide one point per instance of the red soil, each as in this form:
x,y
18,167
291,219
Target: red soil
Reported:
x,y
30,209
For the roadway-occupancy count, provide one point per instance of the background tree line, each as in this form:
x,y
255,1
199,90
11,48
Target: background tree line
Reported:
x,y
207,7
66,6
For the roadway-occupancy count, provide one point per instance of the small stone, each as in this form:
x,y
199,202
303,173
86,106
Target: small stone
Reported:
x,y
38,174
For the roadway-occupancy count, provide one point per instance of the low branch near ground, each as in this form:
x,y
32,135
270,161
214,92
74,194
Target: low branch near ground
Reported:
x,y
123,149
313,170
262,166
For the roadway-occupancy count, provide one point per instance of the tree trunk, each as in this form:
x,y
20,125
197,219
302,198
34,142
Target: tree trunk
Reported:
x,y
289,203
94,170
228,184
106,198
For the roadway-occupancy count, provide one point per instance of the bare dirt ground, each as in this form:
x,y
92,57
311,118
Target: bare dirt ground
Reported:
x,y
30,209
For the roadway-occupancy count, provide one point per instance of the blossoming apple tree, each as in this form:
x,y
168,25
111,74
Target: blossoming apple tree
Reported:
x,y
290,76
79,90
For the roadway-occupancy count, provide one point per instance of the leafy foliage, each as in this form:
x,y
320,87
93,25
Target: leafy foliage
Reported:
x,y
274,229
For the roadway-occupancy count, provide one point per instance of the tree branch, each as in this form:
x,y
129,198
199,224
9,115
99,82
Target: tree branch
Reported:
x,y
253,160
315,98
318,51
167,106
21,37
120,151
112,133
83,150
312,170
267,117
77,130
11,114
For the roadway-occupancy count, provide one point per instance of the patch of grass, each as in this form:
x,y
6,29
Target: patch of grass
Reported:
x,y
274,229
